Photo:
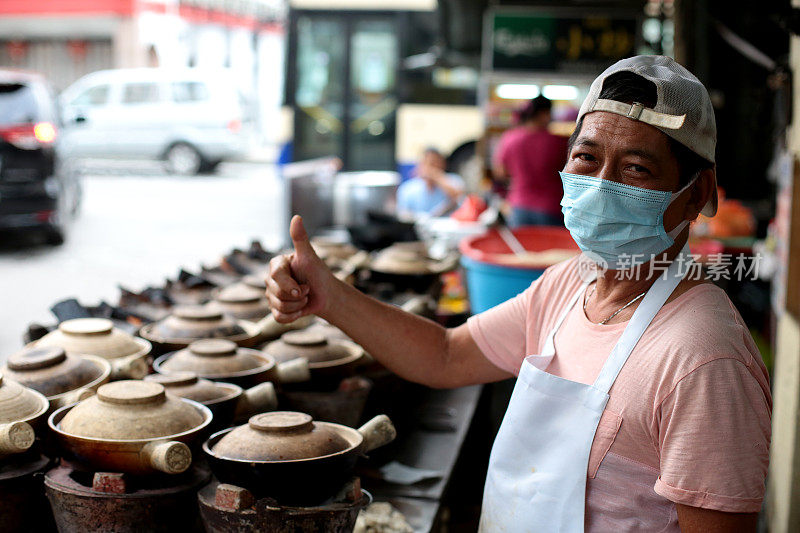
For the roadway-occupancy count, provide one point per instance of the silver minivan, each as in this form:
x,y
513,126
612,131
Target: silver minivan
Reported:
x,y
191,119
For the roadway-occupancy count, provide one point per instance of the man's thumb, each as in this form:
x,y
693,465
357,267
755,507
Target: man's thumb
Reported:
x,y
297,231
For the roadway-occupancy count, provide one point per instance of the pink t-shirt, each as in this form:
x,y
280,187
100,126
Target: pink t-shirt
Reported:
x,y
533,160
688,419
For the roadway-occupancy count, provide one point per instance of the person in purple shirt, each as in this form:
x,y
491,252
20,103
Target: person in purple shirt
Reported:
x,y
530,157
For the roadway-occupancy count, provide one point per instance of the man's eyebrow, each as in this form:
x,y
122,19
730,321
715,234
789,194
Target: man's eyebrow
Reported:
x,y
583,141
644,154
639,152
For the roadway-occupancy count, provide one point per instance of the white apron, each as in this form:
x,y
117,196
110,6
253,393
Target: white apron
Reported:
x,y
537,470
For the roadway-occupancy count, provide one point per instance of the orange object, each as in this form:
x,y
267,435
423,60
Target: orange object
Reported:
x,y
470,209
732,220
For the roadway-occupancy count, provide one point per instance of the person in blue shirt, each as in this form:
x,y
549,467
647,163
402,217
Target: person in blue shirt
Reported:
x,y
431,191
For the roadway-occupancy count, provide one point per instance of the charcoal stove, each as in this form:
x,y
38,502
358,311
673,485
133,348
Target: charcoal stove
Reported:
x,y
105,501
227,509
23,506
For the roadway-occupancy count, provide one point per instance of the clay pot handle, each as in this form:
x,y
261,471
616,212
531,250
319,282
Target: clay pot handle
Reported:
x,y
15,437
128,368
170,457
258,399
294,371
77,395
377,432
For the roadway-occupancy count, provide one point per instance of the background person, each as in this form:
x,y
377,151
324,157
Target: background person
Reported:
x,y
431,191
530,157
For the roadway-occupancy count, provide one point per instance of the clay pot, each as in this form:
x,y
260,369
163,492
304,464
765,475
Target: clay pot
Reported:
x,y
329,331
287,455
331,249
326,358
21,409
243,302
62,377
228,402
131,427
223,360
270,329
98,336
187,324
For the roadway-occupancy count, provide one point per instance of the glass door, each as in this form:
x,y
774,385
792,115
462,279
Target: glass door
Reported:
x,y
321,82
344,93
372,99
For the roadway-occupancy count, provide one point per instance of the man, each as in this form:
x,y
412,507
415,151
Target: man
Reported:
x,y
431,191
530,157
642,403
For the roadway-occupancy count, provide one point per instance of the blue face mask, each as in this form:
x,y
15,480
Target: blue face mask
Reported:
x,y
620,225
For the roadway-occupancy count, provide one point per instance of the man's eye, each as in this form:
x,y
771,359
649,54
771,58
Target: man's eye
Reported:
x,y
584,157
639,168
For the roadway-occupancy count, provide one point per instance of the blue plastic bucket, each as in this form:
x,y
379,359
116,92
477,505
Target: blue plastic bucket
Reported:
x,y
489,285
489,280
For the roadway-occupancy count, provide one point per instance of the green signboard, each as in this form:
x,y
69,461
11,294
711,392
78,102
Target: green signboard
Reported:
x,y
521,41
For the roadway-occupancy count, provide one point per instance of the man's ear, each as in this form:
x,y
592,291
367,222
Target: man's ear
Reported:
x,y
701,192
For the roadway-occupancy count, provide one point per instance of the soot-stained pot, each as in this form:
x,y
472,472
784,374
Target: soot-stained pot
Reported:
x,y
228,402
288,456
222,360
407,267
21,410
63,378
131,427
187,324
98,336
243,302
327,358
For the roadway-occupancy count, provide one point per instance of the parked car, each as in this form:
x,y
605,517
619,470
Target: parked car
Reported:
x,y
37,189
191,119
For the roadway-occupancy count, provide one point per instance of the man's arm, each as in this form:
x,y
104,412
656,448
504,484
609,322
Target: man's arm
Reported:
x,y
415,348
441,180
698,520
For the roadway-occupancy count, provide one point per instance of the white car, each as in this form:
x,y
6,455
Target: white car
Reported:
x,y
192,119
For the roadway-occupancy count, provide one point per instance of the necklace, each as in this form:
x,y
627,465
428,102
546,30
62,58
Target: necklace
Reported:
x,y
615,313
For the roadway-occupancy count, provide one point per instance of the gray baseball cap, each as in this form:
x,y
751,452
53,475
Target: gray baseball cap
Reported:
x,y
683,110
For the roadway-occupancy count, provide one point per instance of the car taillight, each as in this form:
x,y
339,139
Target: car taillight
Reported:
x,y
44,132
29,136
235,125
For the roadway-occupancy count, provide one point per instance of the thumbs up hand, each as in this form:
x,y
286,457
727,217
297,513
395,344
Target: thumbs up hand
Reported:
x,y
298,284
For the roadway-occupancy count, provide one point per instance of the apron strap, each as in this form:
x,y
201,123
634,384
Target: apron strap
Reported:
x,y
549,346
655,298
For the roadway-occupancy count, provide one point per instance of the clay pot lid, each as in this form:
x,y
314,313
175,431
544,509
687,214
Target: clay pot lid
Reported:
x,y
240,294
87,326
198,313
283,436
37,358
255,282
187,384
132,410
304,338
94,336
328,248
329,331
132,392
312,345
213,348
175,379
215,358
19,403
402,261
52,371
190,322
